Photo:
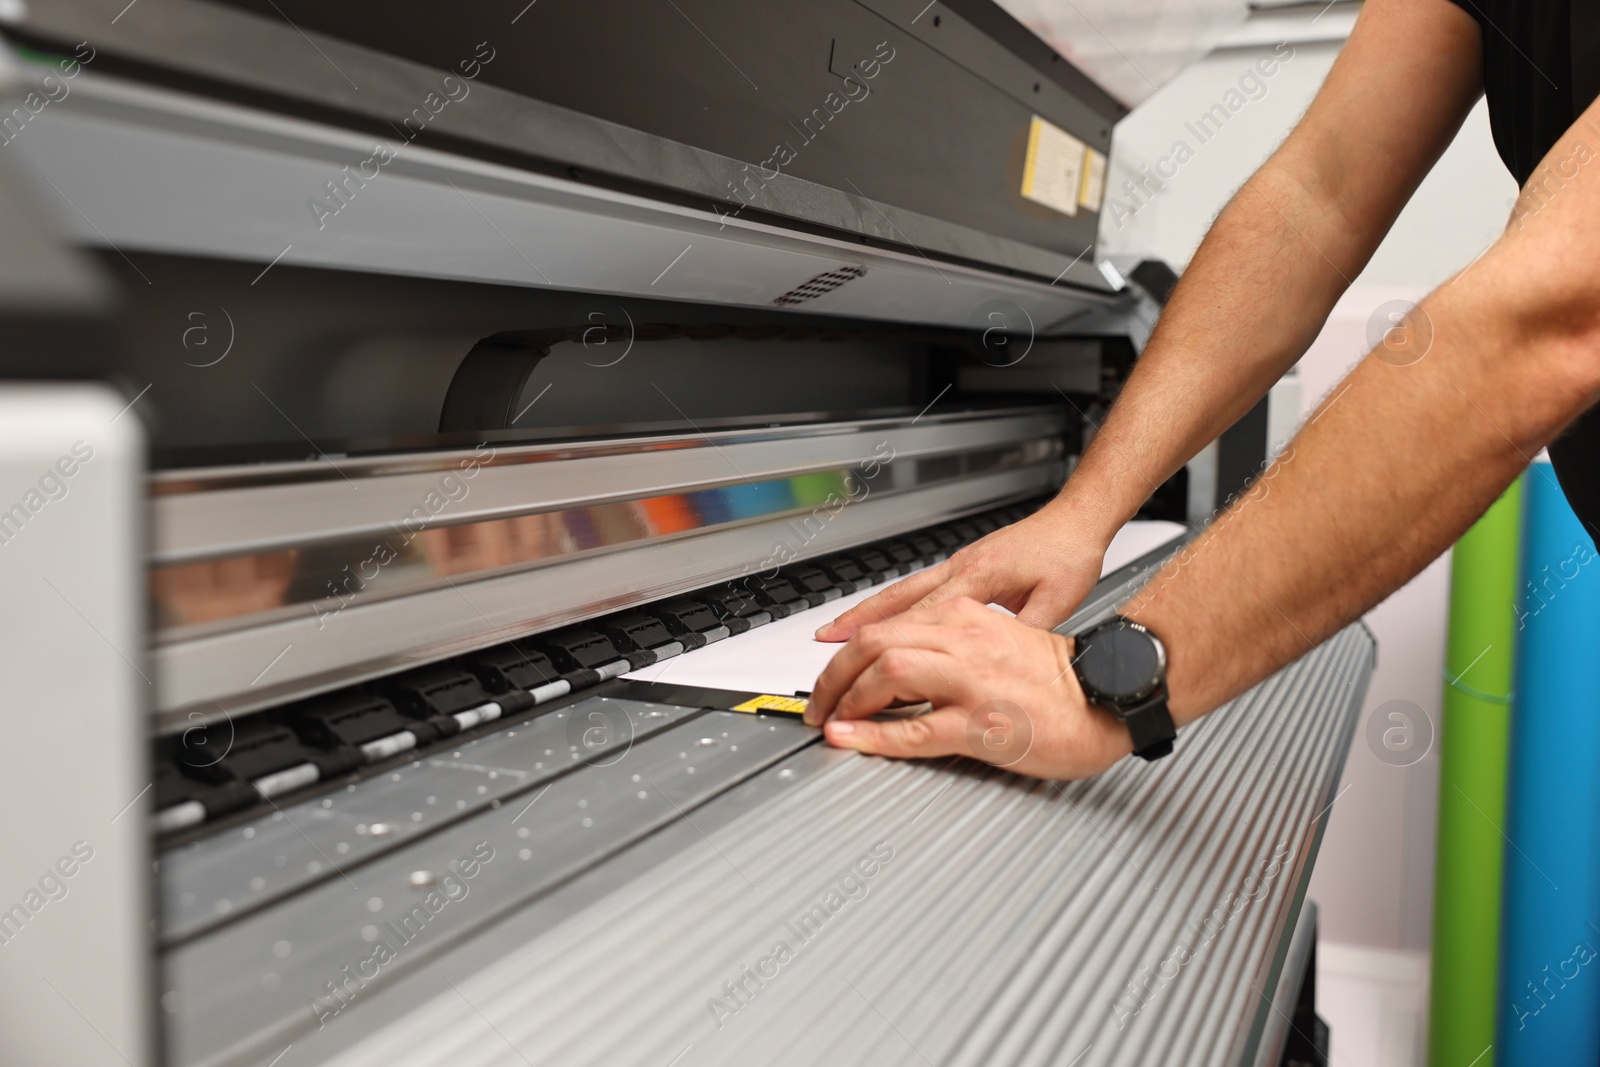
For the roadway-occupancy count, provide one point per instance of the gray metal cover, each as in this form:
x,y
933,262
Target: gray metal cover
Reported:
x,y
275,59
1141,917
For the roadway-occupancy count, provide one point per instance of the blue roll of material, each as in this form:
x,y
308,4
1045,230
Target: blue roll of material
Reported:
x,y
1550,959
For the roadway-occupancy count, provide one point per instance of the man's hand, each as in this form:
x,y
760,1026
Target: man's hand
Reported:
x,y
1040,569
1002,692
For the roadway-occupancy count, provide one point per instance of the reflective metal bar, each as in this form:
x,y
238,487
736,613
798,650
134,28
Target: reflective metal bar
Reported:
x,y
226,512
277,582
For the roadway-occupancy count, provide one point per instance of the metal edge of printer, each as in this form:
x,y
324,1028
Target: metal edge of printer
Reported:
x,y
486,945
670,170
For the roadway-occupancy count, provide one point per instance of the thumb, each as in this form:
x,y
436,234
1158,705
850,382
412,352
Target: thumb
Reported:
x,y
938,733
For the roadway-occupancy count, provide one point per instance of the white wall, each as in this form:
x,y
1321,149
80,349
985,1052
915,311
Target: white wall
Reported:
x,y
1374,879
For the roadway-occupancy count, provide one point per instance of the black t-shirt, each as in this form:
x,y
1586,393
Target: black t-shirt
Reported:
x,y
1541,70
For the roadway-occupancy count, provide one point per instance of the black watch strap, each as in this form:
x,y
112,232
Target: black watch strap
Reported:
x,y
1150,726
1116,683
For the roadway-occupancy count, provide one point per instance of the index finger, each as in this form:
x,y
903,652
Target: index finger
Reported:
x,y
891,601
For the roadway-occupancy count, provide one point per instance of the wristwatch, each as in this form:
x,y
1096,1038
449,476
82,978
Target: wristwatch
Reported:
x,y
1122,667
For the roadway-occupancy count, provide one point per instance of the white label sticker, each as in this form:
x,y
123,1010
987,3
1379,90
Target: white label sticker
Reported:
x,y
1053,171
1093,190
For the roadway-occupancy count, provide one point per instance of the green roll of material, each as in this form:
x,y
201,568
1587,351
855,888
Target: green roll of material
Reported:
x,y
1474,738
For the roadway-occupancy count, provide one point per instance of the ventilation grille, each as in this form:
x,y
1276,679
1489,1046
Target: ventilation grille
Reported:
x,y
821,285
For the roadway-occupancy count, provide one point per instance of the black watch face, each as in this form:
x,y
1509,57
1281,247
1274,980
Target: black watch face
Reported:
x,y
1119,662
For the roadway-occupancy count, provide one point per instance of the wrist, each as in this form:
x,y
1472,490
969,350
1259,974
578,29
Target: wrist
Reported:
x,y
1088,511
1115,740
1121,666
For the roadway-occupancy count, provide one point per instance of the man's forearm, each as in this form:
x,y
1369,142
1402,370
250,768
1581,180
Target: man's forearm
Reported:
x,y
1219,346
1391,470
1400,459
1269,272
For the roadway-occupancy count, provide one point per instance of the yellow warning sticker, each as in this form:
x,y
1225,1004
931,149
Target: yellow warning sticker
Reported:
x,y
1052,171
786,705
1093,190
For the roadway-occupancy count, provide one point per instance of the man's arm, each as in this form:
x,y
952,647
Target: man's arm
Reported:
x,y
1250,303
1392,468
1401,459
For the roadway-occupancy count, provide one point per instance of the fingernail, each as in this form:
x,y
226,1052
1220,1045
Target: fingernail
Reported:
x,y
822,631
842,729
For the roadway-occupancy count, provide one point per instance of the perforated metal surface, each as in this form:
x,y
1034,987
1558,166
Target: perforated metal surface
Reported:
x,y
1138,918
207,883
267,979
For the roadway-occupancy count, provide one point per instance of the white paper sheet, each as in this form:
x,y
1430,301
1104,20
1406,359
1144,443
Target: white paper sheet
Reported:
x,y
1137,539
783,657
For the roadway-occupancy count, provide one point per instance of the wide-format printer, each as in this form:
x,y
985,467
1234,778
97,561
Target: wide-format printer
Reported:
x,y
428,436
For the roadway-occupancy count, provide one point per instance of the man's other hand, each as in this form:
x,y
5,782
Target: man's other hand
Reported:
x,y
1002,692
1040,568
